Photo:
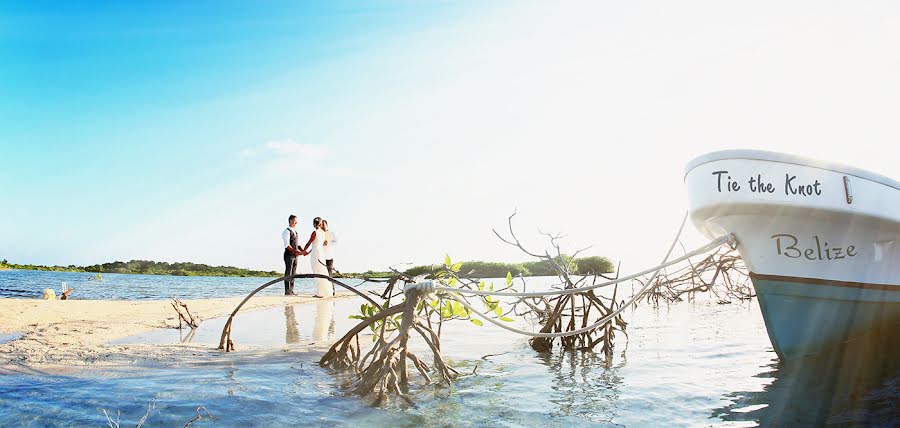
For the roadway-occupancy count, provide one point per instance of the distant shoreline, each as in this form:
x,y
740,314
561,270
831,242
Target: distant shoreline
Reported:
x,y
469,269
144,267
138,273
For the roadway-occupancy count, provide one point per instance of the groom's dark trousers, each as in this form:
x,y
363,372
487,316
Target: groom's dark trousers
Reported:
x,y
290,268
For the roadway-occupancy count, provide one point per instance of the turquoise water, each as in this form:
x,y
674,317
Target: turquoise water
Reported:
x,y
31,284
688,364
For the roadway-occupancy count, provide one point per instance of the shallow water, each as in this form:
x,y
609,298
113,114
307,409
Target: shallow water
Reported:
x,y
31,284
6,337
315,322
689,364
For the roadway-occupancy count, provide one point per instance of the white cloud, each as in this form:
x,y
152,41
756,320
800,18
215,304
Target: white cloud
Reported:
x,y
248,153
272,158
292,150
284,150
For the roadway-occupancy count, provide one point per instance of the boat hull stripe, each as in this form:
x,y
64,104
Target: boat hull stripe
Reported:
x,y
830,282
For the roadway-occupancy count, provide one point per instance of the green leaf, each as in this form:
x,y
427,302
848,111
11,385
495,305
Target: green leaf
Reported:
x,y
447,261
477,322
459,310
498,310
456,267
506,319
481,285
452,282
508,278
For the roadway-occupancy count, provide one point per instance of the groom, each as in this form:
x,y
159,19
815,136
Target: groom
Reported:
x,y
290,238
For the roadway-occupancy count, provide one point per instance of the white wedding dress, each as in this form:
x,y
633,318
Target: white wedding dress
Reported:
x,y
324,288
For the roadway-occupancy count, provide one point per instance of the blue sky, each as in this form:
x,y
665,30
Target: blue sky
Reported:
x,y
116,112
127,98
188,131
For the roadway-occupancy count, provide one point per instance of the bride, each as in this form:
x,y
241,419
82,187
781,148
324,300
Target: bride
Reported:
x,y
324,288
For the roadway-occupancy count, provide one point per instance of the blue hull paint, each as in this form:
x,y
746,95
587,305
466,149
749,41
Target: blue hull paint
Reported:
x,y
805,319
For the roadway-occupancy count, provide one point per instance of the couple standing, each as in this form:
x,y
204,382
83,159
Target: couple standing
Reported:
x,y
320,248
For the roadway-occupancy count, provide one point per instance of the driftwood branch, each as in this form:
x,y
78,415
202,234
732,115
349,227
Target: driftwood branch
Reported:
x,y
199,416
151,406
184,314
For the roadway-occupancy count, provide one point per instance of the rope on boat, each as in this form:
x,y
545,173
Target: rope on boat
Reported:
x,y
454,292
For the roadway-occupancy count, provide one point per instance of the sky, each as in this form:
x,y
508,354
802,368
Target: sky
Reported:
x,y
189,131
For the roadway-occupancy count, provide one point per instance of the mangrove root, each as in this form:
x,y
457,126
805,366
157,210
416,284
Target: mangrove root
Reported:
x,y
383,368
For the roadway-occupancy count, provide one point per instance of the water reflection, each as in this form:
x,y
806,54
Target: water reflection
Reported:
x,y
186,338
284,324
854,386
291,327
584,383
323,328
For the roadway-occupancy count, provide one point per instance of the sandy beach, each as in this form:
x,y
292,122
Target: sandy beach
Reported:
x,y
72,335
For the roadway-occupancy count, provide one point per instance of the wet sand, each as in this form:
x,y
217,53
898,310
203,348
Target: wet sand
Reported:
x,y
69,336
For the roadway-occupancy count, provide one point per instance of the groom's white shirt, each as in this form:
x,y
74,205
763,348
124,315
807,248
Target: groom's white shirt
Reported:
x,y
329,249
286,236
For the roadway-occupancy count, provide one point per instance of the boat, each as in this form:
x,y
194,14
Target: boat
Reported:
x,y
820,241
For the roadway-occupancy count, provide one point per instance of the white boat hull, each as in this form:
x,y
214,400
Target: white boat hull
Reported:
x,y
820,241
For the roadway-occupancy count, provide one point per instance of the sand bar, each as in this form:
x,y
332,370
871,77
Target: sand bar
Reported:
x,y
72,335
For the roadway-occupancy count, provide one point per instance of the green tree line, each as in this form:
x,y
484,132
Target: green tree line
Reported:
x,y
481,269
473,269
149,268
